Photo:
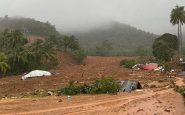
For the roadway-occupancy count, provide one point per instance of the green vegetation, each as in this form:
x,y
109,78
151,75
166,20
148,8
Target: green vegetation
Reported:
x,y
166,66
102,86
80,55
128,63
72,89
165,46
67,44
63,43
70,43
104,49
3,63
17,56
42,55
105,85
20,57
178,18
27,26
181,90
123,39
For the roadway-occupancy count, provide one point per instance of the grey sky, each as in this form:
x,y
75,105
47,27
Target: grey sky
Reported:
x,y
149,15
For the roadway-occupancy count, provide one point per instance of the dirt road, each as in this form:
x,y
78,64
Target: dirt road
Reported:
x,y
146,102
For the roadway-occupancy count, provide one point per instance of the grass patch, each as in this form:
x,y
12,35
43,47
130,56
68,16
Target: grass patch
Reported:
x,y
181,90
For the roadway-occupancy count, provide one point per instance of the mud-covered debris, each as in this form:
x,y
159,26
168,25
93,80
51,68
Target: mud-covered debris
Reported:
x,y
127,86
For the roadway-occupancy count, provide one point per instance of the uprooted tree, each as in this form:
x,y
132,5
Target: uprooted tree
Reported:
x,y
165,47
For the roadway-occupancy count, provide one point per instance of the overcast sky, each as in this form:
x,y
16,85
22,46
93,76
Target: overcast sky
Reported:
x,y
148,15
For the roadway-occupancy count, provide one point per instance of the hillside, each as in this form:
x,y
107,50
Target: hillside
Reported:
x,y
28,26
125,39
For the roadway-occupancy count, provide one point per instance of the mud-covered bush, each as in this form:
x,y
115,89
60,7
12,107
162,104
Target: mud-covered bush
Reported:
x,y
101,86
105,85
85,89
181,90
128,63
72,89
166,66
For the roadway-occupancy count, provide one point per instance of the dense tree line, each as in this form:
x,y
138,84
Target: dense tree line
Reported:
x,y
20,57
17,56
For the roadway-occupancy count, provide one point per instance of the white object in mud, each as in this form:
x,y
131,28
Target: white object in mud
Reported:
x,y
160,68
36,73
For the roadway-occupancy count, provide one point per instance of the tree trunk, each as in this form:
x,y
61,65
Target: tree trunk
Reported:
x,y
181,40
179,43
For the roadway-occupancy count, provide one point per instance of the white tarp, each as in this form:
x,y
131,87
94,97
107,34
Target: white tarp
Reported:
x,y
36,73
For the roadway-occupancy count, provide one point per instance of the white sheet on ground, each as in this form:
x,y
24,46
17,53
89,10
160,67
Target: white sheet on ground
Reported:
x,y
36,73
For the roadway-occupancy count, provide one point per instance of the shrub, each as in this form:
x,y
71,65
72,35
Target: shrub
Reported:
x,y
80,55
102,86
181,90
71,89
128,63
85,89
105,85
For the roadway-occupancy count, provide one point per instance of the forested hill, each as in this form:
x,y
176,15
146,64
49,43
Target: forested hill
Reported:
x,y
27,25
119,38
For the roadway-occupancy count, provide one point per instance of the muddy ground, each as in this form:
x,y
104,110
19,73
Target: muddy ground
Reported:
x,y
157,97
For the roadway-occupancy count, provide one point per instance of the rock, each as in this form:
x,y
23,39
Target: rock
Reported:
x,y
34,100
140,110
50,93
60,100
167,110
152,86
14,97
145,86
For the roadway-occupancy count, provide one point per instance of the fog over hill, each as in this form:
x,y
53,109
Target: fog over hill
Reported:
x,y
149,15
122,39
28,26
125,39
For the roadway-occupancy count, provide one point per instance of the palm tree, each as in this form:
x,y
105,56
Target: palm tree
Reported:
x,y
178,18
17,59
42,53
3,63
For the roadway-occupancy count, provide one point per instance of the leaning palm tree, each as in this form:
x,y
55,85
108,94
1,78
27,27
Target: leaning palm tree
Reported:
x,y
178,18
3,63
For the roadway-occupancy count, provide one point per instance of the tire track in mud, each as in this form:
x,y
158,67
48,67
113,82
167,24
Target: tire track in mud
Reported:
x,y
96,106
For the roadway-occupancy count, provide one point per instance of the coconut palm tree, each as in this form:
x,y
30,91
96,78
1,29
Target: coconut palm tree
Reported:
x,y
42,53
17,59
3,63
177,17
